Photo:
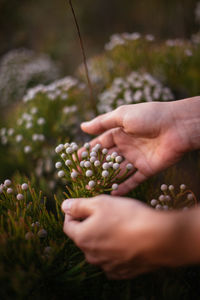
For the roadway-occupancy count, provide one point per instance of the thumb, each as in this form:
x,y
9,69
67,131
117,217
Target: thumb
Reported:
x,y
104,122
77,208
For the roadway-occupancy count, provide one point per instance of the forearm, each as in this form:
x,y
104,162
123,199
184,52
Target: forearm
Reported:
x,y
186,115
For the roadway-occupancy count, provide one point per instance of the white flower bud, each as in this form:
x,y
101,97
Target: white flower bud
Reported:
x,y
89,173
29,235
69,150
82,163
105,166
27,149
7,182
162,198
118,159
84,154
115,166
93,153
63,155
190,197
158,207
20,197
42,233
97,147
24,186
171,187
61,174
74,147
129,166
19,138
105,173
167,198
166,207
108,157
9,191
10,131
59,148
87,146
97,163
163,187
87,164
74,174
114,155
92,159
41,121
68,162
182,187
154,202
58,165
114,186
110,164
66,145
91,183
105,151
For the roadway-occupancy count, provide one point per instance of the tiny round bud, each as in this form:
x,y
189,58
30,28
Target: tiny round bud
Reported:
x,y
91,183
82,163
167,198
129,166
87,146
97,147
27,149
97,163
92,159
58,165
171,187
61,174
105,166
84,154
68,162
69,150
24,186
108,157
114,155
93,153
158,207
87,164
110,164
190,197
66,145
74,174
74,147
163,187
105,173
42,233
114,186
115,166
47,250
7,182
63,155
89,173
182,187
20,197
118,159
154,202
105,151
29,235
165,207
9,191
162,198
59,148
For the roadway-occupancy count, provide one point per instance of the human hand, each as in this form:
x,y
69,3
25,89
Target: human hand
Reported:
x,y
124,237
148,135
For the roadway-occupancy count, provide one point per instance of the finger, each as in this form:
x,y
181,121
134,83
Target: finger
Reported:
x,y
70,227
78,208
104,122
130,184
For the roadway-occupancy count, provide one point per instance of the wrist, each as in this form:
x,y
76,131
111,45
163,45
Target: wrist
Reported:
x,y
186,117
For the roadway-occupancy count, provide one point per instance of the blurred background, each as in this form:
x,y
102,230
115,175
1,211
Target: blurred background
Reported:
x,y
47,26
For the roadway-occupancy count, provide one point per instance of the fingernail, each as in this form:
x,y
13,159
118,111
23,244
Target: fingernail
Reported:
x,y
86,123
67,204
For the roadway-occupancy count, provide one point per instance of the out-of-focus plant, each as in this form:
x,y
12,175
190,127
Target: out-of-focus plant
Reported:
x,y
21,69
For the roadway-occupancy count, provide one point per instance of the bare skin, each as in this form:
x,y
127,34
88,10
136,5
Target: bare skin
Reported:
x,y
133,238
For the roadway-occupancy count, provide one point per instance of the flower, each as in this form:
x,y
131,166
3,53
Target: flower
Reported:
x,y
42,233
89,173
92,183
9,191
27,149
105,174
7,182
114,186
61,174
58,165
129,166
74,174
24,186
20,197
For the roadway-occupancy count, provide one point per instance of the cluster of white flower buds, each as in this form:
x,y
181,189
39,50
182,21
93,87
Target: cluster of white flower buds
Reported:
x,y
7,189
171,199
93,169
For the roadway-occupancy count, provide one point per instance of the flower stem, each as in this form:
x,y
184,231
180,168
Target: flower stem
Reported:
x,y
92,100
